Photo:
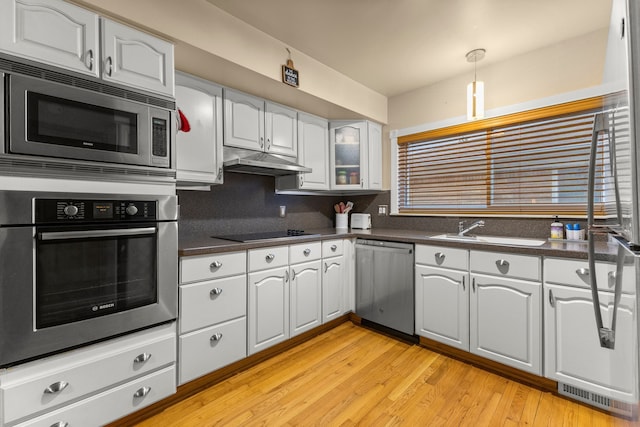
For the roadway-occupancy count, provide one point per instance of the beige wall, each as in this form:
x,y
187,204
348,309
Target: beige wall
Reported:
x,y
569,66
215,45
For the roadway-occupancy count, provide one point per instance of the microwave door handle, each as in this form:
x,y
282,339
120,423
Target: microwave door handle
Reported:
x,y
84,234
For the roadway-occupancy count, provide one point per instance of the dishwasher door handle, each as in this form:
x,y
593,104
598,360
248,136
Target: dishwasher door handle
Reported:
x,y
385,249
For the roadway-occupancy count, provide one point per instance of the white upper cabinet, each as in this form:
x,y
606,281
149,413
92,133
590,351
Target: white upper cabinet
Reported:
x,y
281,127
64,35
134,58
253,124
51,31
199,151
356,155
313,152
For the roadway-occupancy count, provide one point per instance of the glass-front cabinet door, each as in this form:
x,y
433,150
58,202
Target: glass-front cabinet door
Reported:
x,y
348,155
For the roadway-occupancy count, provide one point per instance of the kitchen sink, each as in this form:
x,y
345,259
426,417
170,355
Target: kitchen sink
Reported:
x,y
517,241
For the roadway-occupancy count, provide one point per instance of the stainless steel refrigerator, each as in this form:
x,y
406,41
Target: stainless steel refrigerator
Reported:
x,y
616,196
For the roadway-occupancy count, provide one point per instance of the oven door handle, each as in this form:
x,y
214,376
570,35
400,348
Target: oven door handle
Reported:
x,y
83,234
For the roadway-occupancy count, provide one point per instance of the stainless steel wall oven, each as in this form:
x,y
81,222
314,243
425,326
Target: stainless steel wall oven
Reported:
x,y
79,268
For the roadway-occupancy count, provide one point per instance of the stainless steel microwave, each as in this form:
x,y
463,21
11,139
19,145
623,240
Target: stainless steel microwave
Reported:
x,y
85,123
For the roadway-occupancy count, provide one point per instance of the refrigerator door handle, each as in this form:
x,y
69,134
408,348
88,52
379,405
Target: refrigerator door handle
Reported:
x,y
606,335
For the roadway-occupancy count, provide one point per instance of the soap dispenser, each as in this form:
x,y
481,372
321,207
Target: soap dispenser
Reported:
x,y
557,230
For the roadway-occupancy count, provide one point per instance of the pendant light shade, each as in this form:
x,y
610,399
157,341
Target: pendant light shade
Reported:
x,y
475,89
475,100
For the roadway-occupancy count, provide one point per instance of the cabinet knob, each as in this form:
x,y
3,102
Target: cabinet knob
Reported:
x,y
56,387
214,265
215,292
439,258
334,248
306,252
583,273
270,257
216,337
141,358
142,392
503,266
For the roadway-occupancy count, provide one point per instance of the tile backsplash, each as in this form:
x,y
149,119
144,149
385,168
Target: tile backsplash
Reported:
x,y
248,203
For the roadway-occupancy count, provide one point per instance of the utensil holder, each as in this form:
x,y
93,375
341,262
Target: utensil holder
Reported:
x,y
342,220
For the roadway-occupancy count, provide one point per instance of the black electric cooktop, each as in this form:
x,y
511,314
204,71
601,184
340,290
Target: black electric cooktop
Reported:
x,y
252,237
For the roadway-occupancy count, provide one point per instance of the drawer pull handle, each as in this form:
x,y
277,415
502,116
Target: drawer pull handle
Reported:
x,y
583,273
334,248
109,66
473,284
293,275
503,266
307,252
215,264
216,337
215,292
552,300
56,387
142,392
463,287
270,257
90,59
439,258
141,358
60,424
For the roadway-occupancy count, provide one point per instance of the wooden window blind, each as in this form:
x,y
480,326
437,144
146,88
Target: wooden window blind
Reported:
x,y
534,163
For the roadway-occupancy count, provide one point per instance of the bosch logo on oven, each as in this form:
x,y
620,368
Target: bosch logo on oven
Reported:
x,y
105,306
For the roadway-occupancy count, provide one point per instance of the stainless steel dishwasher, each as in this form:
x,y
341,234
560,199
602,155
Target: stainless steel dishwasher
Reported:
x,y
384,284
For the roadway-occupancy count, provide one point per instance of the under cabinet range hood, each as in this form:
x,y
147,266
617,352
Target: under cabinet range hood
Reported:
x,y
260,163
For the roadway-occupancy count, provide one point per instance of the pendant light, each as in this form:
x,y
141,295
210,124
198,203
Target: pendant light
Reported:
x,y
475,89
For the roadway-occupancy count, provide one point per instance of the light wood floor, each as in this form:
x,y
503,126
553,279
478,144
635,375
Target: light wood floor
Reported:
x,y
354,376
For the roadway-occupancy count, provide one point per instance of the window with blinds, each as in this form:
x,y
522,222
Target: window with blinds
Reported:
x,y
510,166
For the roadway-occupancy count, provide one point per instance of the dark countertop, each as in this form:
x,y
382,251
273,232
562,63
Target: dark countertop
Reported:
x,y
200,244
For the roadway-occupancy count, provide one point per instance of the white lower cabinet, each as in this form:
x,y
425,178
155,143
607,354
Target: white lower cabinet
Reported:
x,y
573,354
505,309
442,295
306,296
213,313
333,280
94,385
268,308
442,305
506,321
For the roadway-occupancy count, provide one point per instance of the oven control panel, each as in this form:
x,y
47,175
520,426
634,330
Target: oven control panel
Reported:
x,y
56,210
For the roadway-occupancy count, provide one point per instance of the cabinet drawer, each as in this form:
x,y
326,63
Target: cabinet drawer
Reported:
x,y
261,259
332,248
204,267
507,265
214,301
84,371
444,257
575,272
112,404
305,252
205,351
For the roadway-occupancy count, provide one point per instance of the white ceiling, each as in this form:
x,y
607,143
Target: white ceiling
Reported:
x,y
395,46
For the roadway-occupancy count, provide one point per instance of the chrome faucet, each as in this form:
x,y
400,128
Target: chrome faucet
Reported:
x,y
462,231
